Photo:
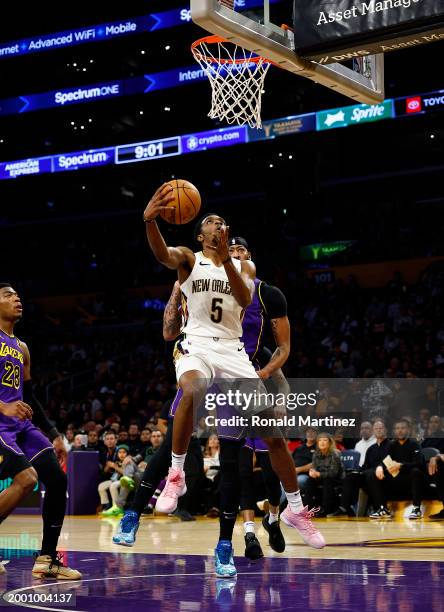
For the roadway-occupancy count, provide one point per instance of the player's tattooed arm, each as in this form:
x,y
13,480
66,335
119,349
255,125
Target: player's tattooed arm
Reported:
x,y
281,333
280,381
172,318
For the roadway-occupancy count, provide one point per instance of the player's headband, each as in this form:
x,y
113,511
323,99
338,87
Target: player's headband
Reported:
x,y
238,240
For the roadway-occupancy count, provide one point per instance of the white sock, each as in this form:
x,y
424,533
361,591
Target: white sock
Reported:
x,y
249,527
272,518
177,461
295,501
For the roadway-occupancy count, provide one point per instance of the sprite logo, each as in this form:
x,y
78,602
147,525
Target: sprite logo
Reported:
x,y
352,115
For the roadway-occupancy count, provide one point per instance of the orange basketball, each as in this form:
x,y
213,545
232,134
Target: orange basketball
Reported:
x,y
186,202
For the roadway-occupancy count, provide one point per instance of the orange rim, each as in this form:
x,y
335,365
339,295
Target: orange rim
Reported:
x,y
213,40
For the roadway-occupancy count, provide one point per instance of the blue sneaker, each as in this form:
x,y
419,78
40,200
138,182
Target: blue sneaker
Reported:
x,y
223,560
128,526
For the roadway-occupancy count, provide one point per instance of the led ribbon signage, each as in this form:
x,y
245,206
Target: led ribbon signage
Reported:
x,y
106,31
101,91
224,137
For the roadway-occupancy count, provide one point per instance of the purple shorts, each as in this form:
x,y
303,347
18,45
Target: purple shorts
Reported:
x,y
256,444
27,441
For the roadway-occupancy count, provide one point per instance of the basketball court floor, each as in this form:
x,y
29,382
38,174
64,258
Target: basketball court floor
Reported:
x,y
382,566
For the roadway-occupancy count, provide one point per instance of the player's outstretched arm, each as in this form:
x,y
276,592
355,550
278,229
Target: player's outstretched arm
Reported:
x,y
171,257
172,318
275,306
281,332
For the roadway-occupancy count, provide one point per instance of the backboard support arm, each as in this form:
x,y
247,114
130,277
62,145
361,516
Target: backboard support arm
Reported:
x,y
277,45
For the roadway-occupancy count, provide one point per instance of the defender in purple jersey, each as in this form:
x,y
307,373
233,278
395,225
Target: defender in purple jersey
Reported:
x,y
26,455
269,306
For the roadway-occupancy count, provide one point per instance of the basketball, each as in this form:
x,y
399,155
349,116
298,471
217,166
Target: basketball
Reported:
x,y
186,203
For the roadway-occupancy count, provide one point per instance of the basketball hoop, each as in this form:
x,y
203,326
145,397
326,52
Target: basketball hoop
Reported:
x,y
236,77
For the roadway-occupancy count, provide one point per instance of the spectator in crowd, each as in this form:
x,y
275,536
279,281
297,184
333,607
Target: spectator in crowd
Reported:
x,y
367,439
156,439
211,457
134,443
112,485
145,437
403,477
122,436
303,457
339,439
69,438
436,471
93,441
354,481
435,434
326,471
78,442
108,453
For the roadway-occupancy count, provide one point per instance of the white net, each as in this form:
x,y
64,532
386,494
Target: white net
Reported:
x,y
237,80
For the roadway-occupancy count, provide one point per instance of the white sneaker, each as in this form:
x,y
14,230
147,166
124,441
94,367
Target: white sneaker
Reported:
x,y
415,513
381,513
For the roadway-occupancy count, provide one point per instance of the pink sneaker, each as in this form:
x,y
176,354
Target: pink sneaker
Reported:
x,y
175,487
302,522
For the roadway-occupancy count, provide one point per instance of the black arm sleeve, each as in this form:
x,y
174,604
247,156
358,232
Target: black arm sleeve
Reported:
x,y
39,417
273,301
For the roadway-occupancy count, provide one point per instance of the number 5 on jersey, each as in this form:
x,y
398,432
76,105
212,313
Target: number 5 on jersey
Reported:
x,y
216,310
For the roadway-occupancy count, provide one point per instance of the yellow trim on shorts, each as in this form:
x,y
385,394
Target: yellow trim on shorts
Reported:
x,y
262,320
40,452
260,297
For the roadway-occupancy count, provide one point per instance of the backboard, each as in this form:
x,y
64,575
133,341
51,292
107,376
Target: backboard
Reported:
x,y
253,30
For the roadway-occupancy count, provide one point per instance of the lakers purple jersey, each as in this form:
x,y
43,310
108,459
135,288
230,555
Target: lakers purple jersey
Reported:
x,y
253,323
11,375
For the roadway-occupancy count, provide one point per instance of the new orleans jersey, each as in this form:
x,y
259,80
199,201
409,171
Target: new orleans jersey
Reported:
x,y
209,307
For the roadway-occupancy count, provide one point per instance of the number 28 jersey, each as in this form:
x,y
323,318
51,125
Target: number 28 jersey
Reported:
x,y
209,308
11,374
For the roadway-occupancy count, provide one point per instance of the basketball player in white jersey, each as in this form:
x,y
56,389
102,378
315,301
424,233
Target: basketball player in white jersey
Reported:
x,y
216,289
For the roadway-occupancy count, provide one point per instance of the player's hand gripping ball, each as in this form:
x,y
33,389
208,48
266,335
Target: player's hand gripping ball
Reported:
x,y
185,204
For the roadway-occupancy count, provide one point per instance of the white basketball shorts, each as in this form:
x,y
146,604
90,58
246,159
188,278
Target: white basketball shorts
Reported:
x,y
214,357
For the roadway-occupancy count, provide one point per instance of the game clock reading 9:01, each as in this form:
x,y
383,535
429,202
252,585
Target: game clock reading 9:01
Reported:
x,y
143,151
